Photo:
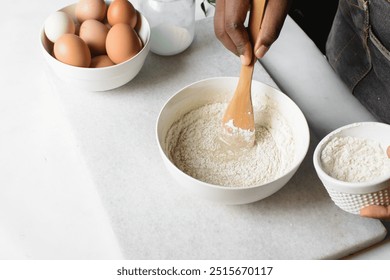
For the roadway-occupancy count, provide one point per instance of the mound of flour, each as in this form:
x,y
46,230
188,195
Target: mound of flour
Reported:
x,y
195,147
353,159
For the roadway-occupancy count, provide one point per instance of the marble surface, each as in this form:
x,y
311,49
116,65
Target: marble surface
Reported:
x,y
81,180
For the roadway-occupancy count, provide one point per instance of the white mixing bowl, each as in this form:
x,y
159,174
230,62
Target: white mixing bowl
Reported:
x,y
97,79
220,90
352,196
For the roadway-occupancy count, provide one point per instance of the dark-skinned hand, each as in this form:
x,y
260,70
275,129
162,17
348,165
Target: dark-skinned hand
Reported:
x,y
229,26
375,211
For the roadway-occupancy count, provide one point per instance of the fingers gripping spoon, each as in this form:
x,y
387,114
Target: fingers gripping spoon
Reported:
x,y
238,125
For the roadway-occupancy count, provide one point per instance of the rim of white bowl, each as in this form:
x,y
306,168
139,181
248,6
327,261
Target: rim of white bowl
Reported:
x,y
298,161
343,186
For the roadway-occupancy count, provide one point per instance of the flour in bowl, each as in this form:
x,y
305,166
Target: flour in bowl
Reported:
x,y
195,147
353,159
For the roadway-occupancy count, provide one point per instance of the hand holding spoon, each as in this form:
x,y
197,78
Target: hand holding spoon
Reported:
x,y
238,122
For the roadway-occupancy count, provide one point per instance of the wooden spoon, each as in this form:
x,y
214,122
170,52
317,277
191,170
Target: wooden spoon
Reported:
x,y
238,122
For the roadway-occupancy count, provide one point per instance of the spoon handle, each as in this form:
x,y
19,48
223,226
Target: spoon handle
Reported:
x,y
238,121
255,20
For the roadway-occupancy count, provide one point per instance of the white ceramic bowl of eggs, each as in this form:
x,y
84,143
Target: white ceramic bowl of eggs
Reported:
x,y
353,165
274,112
96,45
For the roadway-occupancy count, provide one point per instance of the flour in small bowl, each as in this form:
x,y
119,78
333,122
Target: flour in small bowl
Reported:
x,y
194,146
353,159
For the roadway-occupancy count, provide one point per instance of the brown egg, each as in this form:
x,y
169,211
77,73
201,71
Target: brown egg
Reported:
x,y
72,50
101,61
77,29
121,11
94,33
140,41
122,43
90,9
137,27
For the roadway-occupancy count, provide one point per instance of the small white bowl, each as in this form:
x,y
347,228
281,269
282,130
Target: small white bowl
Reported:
x,y
352,196
221,90
97,79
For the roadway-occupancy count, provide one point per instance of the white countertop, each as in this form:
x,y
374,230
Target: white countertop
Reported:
x,y
50,203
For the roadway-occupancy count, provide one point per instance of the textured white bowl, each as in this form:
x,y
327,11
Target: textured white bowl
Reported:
x,y
97,79
349,196
220,90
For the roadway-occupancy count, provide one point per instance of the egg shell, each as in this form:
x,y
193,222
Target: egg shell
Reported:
x,y
101,61
90,9
140,41
72,50
122,11
122,43
57,24
77,29
137,27
94,33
